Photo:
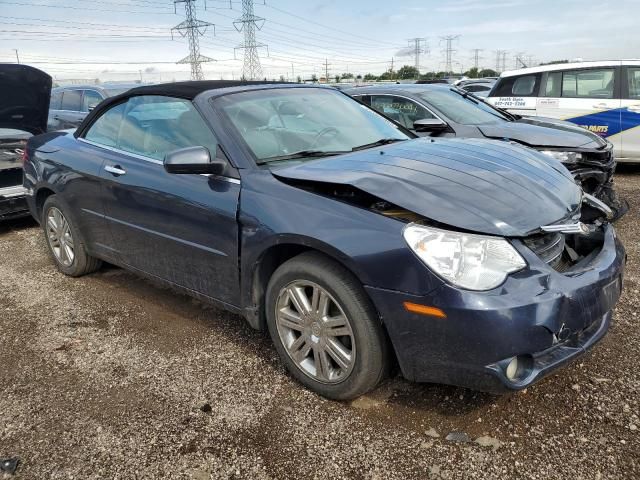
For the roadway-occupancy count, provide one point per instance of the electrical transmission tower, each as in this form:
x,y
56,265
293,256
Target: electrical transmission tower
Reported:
x,y
192,28
501,60
248,22
519,60
419,46
449,51
476,57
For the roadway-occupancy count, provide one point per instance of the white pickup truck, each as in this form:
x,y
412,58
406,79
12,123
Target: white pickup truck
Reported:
x,y
24,106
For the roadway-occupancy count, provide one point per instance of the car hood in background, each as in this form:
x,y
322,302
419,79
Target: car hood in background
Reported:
x,y
543,132
472,184
25,93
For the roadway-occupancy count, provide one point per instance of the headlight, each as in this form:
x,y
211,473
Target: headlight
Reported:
x,y
474,262
564,157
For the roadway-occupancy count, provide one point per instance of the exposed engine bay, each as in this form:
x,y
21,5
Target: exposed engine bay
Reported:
x,y
565,246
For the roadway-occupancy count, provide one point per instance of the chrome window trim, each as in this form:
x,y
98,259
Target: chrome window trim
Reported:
x,y
153,160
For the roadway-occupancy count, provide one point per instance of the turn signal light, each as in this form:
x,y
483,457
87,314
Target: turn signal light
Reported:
x,y
424,310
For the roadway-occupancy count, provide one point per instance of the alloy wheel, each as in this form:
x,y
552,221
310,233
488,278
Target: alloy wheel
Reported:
x,y
60,237
315,332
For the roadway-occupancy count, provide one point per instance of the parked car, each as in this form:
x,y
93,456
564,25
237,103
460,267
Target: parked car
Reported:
x,y
602,97
70,105
445,111
471,262
480,87
24,102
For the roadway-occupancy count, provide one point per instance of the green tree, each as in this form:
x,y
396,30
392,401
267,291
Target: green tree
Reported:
x,y
369,77
299,79
337,78
471,73
314,78
347,76
555,62
388,75
487,72
407,72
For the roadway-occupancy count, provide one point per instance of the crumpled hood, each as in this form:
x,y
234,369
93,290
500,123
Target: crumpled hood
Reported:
x,y
543,132
472,184
25,93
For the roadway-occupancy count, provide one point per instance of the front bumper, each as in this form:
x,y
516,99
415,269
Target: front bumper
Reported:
x,y
539,314
13,203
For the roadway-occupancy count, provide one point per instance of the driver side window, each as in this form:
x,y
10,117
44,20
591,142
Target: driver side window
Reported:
x,y
402,110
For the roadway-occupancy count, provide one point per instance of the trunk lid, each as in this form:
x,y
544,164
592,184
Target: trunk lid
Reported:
x,y
25,94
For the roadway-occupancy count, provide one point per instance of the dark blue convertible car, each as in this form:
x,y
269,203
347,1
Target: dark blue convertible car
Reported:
x,y
356,245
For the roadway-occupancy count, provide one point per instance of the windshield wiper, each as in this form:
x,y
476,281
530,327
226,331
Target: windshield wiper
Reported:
x,y
377,143
466,95
472,98
301,154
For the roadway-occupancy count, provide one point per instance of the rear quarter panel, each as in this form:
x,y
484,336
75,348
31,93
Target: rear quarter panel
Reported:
x,y
64,165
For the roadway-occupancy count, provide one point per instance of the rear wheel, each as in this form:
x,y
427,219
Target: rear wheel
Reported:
x,y
324,327
64,240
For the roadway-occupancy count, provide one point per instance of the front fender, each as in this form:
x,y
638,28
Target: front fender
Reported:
x,y
368,244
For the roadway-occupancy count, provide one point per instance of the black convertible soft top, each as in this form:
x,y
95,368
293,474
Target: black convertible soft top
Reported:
x,y
185,90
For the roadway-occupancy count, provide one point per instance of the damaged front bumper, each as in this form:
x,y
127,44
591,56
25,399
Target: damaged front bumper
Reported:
x,y
540,316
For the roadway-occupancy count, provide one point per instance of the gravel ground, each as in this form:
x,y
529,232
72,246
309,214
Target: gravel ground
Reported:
x,y
108,376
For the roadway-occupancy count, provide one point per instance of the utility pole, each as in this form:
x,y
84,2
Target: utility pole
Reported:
x,y
17,56
326,70
419,46
293,73
504,60
248,23
193,29
476,57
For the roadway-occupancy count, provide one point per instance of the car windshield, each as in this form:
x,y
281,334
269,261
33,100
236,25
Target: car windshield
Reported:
x,y
462,108
295,123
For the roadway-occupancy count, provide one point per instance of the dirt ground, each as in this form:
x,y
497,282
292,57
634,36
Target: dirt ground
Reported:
x,y
106,376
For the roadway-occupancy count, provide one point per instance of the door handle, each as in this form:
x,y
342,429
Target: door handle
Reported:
x,y
601,105
115,170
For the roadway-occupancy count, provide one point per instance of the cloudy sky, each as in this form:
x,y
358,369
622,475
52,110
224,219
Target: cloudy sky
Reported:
x,y
131,39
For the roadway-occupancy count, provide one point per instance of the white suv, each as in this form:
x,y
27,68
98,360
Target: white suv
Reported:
x,y
603,97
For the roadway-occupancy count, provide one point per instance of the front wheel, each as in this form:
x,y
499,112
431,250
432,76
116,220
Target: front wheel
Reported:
x,y
325,328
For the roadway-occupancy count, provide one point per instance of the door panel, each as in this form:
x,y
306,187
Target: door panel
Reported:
x,y
630,112
587,97
181,228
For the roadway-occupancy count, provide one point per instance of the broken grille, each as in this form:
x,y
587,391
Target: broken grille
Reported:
x,y
549,247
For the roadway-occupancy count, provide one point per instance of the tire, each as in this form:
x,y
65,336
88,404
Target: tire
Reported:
x,y
79,262
356,354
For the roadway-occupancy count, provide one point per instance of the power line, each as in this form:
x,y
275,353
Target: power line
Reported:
x,y
248,23
192,28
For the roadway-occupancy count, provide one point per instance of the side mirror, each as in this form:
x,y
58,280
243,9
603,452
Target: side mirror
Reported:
x,y
429,125
194,160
